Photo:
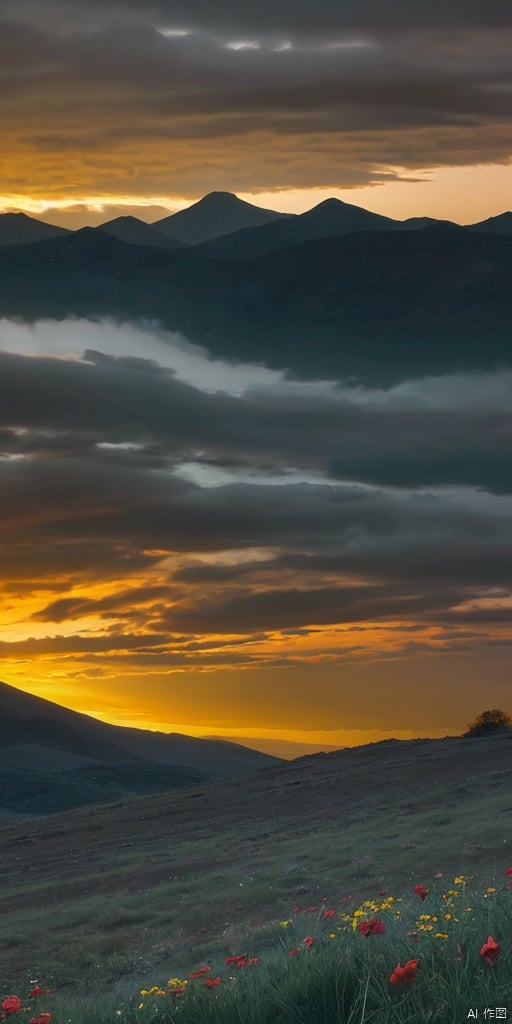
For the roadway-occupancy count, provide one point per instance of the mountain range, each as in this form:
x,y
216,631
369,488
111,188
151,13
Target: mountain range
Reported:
x,y
369,304
53,759
230,228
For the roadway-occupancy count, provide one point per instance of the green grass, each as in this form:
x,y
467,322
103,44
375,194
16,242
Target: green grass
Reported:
x,y
343,978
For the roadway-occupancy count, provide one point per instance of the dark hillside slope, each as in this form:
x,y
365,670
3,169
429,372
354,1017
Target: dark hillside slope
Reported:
x,y
50,725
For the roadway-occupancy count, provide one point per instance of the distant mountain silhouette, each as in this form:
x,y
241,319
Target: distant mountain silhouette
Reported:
x,y
376,305
19,229
418,223
53,759
218,213
137,232
330,218
500,225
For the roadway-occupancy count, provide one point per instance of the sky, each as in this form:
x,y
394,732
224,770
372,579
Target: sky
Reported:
x,y
218,549
142,107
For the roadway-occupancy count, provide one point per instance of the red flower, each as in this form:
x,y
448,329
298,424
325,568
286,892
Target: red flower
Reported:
x,y
235,959
308,942
311,909
328,913
420,891
490,950
178,991
38,991
508,871
345,899
292,952
200,972
212,982
12,1004
241,963
371,927
44,1018
296,910
406,973
254,960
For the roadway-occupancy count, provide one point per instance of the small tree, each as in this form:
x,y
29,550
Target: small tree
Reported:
x,y
489,723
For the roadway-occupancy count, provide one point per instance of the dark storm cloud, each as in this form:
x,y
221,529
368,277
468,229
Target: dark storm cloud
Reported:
x,y
371,544
286,15
107,79
63,407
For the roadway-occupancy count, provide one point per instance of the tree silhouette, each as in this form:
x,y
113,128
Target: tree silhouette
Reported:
x,y
489,722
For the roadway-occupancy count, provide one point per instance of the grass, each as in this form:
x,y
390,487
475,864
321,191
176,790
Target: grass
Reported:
x,y
336,974
101,903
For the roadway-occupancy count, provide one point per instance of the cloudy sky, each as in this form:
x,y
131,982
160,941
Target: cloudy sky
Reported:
x,y
142,107
221,550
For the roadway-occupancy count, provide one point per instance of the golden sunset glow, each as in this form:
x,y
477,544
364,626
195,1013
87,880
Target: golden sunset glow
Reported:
x,y
256,493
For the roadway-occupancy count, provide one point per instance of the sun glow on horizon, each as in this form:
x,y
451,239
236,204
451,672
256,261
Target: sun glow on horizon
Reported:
x,y
461,194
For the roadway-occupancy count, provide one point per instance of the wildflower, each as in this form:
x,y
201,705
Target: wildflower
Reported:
x,y
284,924
241,963
328,913
44,1018
254,960
308,942
508,871
296,910
371,927
172,983
235,959
441,935
448,916
11,1004
420,891
406,973
345,899
438,874
311,909
490,950
414,935
200,972
38,991
212,982
491,889
292,952
332,935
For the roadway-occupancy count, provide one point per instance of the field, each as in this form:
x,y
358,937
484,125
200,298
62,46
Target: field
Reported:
x,y
101,902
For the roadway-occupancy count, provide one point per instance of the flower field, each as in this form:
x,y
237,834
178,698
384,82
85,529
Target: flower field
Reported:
x,y
441,950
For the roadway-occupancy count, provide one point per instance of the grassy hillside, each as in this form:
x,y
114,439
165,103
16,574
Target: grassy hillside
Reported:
x,y
137,889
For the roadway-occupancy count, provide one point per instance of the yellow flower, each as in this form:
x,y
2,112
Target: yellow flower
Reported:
x,y
441,935
143,992
424,917
448,917
398,913
332,935
141,1006
491,889
467,909
284,924
358,913
459,880
435,918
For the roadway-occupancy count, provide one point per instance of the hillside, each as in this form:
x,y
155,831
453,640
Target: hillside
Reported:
x,y
53,759
128,880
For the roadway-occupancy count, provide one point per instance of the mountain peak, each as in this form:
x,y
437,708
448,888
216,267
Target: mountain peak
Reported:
x,y
216,214
19,229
